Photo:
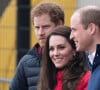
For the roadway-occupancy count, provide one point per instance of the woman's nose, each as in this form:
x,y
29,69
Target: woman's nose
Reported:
x,y
56,52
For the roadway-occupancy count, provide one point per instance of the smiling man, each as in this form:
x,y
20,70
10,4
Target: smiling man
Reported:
x,y
85,25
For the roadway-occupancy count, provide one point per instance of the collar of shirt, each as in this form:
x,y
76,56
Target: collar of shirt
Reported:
x,y
91,57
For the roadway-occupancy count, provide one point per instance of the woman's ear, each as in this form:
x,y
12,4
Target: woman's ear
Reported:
x,y
74,53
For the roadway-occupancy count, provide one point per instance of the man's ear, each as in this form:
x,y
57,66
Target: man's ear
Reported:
x,y
92,28
60,22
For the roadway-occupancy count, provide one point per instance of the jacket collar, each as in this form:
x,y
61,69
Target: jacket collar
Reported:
x,y
96,61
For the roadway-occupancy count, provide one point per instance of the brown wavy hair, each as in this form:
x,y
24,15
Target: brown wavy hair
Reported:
x,y
54,10
71,73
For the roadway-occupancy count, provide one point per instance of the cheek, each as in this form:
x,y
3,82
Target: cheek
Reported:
x,y
51,55
36,33
83,38
50,29
47,32
77,34
67,54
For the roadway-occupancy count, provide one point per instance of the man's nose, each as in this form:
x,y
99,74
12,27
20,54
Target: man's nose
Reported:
x,y
41,31
71,36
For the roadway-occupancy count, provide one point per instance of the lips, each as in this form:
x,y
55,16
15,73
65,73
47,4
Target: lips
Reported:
x,y
57,60
41,39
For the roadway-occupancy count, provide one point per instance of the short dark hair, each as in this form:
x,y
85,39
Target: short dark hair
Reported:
x,y
89,14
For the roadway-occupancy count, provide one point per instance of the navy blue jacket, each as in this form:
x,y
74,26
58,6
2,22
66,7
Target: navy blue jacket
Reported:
x,y
94,82
27,72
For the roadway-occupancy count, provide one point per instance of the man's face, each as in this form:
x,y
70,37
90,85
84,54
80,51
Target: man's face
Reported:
x,y
81,36
43,26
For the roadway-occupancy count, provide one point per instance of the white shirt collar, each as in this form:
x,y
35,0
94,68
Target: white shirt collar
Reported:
x,y
91,57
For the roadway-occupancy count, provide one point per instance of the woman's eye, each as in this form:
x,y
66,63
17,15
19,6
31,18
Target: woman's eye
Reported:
x,y
51,49
61,47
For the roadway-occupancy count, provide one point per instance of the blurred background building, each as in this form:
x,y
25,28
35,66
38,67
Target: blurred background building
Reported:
x,y
17,32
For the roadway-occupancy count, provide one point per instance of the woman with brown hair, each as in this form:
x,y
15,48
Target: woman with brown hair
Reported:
x,y
62,67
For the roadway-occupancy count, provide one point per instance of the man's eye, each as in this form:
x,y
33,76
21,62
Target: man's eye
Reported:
x,y
36,28
46,27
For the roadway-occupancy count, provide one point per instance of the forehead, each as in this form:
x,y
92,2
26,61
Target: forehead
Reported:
x,y
56,40
43,17
75,17
75,20
42,20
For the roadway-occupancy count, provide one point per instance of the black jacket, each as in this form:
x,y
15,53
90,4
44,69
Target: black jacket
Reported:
x,y
27,72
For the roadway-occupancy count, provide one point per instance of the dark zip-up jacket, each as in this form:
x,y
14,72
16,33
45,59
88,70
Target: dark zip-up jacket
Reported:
x,y
27,72
94,82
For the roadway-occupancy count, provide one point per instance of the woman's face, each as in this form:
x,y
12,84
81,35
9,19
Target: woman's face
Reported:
x,y
60,51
